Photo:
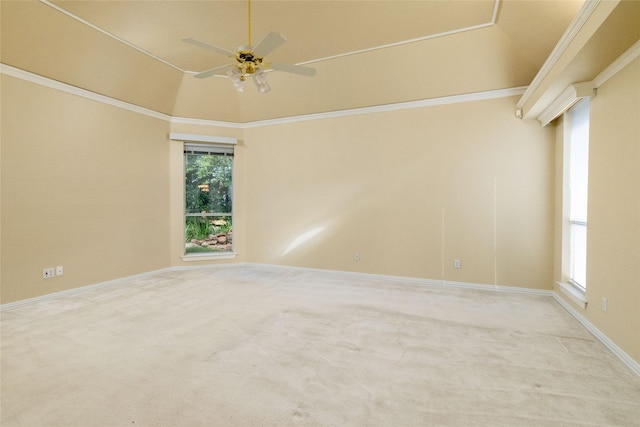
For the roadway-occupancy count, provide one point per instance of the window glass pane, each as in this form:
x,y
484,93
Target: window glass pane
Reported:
x,y
579,163
208,234
208,200
578,192
208,186
578,258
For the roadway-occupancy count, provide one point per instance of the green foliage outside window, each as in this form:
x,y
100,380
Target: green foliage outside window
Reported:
x,y
208,180
208,193
200,228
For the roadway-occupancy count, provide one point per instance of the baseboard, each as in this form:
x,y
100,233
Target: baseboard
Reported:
x,y
429,282
78,290
405,279
617,351
628,360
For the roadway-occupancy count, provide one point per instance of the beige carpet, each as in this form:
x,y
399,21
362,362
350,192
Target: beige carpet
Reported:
x,y
248,346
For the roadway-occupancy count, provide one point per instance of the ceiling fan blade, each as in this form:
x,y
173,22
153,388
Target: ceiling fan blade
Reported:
x,y
208,46
269,44
218,71
295,69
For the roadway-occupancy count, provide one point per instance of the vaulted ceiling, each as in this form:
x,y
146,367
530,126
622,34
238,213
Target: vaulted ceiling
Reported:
x,y
366,52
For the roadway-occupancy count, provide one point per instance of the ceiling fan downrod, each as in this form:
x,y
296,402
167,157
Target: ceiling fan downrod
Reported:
x,y
250,60
249,23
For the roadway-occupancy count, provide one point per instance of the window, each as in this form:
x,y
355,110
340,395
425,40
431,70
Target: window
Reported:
x,y
208,198
577,176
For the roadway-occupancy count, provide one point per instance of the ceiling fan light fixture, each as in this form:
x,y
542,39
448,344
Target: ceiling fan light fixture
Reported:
x,y
235,75
260,79
250,60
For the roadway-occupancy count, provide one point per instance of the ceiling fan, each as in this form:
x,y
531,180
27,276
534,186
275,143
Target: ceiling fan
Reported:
x,y
250,60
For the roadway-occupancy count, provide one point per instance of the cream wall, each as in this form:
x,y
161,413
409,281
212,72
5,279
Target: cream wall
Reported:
x,y
613,239
39,39
94,188
410,191
99,190
84,185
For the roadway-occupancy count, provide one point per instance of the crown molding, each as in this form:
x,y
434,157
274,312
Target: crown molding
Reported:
x,y
404,42
64,87
567,99
494,13
431,102
445,100
188,137
204,122
108,34
567,38
492,21
622,61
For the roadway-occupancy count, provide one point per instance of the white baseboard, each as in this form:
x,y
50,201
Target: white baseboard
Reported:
x,y
430,282
628,360
78,290
405,279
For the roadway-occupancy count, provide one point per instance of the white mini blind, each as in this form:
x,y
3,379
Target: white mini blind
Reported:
x,y
215,149
188,137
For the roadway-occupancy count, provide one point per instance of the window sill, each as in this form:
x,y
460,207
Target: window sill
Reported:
x,y
576,295
209,257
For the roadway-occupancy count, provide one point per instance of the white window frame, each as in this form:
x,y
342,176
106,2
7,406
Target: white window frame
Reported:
x,y
205,140
575,289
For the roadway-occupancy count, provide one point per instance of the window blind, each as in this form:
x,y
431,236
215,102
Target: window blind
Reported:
x,y
214,149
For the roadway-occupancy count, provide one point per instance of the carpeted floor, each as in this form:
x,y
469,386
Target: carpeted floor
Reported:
x,y
253,346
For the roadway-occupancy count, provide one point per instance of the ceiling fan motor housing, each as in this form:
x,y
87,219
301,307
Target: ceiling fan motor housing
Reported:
x,y
248,62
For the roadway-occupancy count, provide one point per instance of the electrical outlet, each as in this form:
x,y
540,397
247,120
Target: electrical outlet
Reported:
x,y
59,270
456,263
48,273
356,256
604,303
269,250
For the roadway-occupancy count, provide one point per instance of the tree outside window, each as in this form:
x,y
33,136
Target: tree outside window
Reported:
x,y
208,199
